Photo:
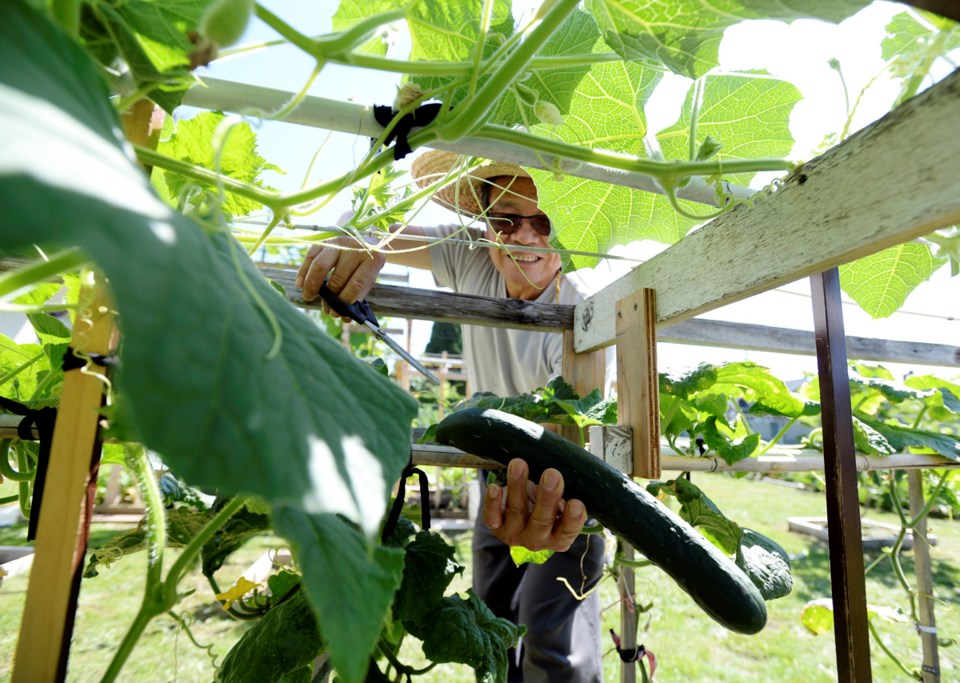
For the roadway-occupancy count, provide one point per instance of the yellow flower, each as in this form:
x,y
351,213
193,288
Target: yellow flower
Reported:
x,y
237,591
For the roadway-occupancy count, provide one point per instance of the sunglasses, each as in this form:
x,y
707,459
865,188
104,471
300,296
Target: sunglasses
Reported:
x,y
509,223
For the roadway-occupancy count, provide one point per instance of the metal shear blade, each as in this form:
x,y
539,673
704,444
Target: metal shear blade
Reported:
x,y
363,314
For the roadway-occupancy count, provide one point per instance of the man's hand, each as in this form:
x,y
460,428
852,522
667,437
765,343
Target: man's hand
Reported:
x,y
354,270
534,516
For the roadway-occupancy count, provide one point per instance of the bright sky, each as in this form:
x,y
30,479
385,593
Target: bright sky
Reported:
x,y
798,52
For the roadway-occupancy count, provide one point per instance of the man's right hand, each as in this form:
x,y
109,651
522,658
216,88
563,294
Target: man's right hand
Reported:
x,y
352,270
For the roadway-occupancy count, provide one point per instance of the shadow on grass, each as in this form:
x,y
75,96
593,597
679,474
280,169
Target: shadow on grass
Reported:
x,y
811,571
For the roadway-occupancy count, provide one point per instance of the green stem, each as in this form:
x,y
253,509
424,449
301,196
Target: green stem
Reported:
x,y
6,469
367,61
920,414
345,41
669,414
41,271
468,116
913,83
671,170
697,100
20,368
485,18
271,200
23,487
743,419
623,561
778,436
932,498
400,666
898,546
9,499
190,553
67,14
138,463
883,646
144,616
40,308
153,604
292,35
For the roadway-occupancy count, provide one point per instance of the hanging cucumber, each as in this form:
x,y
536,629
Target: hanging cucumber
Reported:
x,y
712,579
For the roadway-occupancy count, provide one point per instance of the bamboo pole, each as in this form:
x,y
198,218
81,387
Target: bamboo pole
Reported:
x,y
45,630
773,462
927,627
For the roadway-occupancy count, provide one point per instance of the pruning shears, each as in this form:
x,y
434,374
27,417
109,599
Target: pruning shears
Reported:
x,y
363,314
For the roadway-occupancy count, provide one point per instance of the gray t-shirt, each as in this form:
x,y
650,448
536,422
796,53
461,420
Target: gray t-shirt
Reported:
x,y
504,361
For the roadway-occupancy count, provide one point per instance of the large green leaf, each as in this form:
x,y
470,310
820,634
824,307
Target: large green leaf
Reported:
x,y
466,631
192,141
881,282
903,34
759,385
152,37
748,114
578,35
949,392
428,569
902,438
349,12
606,111
449,30
235,388
685,34
349,584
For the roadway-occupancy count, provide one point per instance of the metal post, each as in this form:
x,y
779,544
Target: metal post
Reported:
x,y
843,505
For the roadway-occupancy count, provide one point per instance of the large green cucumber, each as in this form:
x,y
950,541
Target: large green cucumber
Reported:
x,y
624,507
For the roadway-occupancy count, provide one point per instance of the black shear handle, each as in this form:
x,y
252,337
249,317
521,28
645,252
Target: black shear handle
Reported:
x,y
359,311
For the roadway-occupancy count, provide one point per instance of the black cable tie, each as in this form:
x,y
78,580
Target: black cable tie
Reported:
x,y
72,360
44,419
627,656
421,116
424,496
394,516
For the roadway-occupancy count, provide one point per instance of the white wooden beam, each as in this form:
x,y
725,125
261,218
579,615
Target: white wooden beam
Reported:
x,y
891,182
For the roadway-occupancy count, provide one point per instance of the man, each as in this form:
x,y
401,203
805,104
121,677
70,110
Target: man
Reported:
x,y
562,642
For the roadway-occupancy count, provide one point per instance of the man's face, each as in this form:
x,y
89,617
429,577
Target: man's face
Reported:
x,y
526,273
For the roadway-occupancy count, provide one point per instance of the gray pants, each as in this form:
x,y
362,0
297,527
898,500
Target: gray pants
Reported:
x,y
563,641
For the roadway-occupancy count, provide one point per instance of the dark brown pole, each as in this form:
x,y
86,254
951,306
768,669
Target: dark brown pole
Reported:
x,y
843,505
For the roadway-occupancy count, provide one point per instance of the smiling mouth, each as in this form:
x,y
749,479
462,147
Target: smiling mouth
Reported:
x,y
526,259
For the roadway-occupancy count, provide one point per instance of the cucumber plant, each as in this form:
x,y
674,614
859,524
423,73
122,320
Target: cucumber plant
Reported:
x,y
236,390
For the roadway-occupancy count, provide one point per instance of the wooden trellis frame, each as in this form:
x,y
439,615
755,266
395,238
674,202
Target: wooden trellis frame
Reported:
x,y
835,209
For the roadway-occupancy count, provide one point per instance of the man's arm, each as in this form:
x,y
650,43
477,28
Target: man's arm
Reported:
x,y
352,268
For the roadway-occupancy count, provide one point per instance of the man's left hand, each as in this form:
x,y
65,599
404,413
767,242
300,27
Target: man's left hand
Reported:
x,y
534,516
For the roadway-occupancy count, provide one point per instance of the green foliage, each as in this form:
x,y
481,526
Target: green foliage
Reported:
x,y
284,641
881,282
685,35
212,141
760,558
465,630
239,393
183,523
766,563
365,578
445,337
148,36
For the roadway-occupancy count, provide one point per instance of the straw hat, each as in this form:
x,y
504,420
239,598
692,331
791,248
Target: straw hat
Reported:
x,y
458,195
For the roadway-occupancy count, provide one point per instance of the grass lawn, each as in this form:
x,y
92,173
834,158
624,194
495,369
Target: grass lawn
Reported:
x,y
689,646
